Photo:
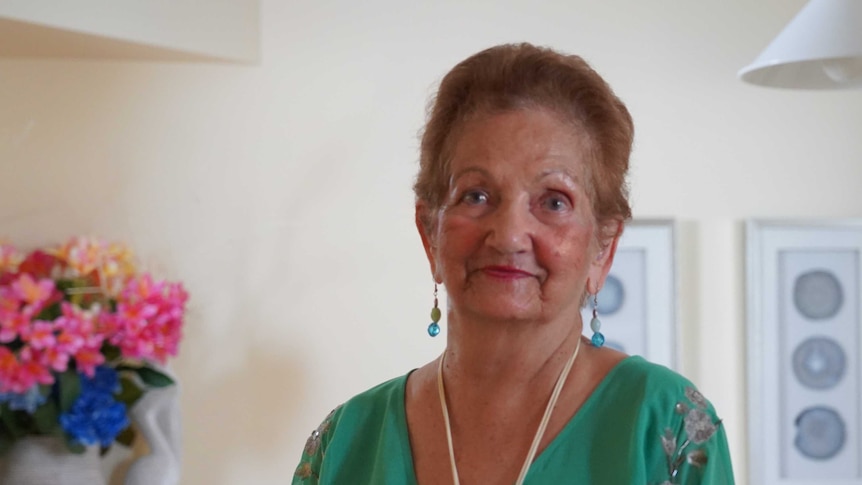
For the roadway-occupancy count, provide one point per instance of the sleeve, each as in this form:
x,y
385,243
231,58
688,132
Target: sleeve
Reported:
x,y
308,470
695,444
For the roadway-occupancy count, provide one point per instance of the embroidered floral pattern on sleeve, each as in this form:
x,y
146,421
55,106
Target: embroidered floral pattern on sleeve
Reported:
x,y
699,428
312,455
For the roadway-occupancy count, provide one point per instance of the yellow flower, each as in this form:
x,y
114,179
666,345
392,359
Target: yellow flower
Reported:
x,y
117,266
10,258
114,263
81,255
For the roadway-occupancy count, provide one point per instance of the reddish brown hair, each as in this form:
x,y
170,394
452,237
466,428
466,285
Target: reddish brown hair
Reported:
x,y
523,76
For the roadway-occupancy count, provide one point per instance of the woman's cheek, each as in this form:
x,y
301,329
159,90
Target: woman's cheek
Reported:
x,y
570,249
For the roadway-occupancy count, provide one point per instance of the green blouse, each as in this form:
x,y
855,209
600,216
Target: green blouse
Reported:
x,y
643,425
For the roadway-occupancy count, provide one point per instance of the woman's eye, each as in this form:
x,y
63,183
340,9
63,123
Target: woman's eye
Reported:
x,y
556,202
474,197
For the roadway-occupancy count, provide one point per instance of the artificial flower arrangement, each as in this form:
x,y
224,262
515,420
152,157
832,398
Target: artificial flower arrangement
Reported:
x,y
80,330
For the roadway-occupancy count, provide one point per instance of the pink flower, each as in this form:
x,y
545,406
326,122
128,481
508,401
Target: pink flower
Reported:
x,y
106,324
31,292
75,327
9,302
149,319
141,316
42,335
8,367
142,288
75,319
69,342
88,358
14,325
133,317
24,373
54,358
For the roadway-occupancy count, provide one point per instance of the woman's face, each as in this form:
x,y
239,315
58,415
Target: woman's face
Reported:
x,y
515,239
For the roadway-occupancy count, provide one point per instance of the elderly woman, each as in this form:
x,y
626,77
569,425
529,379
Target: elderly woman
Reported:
x,y
520,202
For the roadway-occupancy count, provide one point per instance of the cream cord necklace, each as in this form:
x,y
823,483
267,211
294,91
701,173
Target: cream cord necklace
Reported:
x,y
561,380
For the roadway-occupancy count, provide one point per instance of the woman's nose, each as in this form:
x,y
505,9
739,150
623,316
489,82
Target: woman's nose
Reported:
x,y
509,228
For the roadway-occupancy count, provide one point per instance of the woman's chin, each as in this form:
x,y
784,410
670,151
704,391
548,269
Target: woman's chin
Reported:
x,y
504,312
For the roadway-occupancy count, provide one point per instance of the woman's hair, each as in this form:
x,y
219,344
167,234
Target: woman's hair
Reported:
x,y
519,76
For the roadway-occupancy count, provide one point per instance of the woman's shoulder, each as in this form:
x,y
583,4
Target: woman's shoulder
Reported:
x,y
649,381
371,403
683,433
361,416
652,392
379,393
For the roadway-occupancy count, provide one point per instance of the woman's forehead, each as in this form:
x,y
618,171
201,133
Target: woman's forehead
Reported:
x,y
536,141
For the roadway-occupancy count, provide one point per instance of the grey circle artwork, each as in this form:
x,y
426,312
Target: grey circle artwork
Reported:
x,y
611,296
819,363
818,294
820,433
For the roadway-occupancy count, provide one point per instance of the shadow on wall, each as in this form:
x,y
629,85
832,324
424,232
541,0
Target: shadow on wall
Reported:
x,y
243,414
238,416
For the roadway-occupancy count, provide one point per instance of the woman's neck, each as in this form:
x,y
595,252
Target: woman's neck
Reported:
x,y
510,356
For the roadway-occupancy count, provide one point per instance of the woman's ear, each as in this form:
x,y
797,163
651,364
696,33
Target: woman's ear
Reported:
x,y
608,236
425,225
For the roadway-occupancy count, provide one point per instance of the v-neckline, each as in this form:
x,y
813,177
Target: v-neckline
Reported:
x,y
590,402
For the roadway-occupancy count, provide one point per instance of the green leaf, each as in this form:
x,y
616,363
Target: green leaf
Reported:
x,y
45,390
154,378
64,284
128,367
111,352
126,437
10,419
129,392
69,385
46,418
50,312
15,345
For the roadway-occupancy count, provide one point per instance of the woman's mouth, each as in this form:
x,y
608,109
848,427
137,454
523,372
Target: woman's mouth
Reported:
x,y
506,272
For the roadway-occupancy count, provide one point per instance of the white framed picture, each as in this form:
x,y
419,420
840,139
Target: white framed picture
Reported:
x,y
803,319
636,305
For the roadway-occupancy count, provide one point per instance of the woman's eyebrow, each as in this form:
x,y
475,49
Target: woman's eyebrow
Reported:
x,y
468,170
567,173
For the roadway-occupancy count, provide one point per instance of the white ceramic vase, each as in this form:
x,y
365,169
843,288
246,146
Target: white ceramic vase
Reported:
x,y
45,460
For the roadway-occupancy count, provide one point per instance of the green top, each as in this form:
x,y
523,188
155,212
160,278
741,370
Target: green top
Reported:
x,y
644,424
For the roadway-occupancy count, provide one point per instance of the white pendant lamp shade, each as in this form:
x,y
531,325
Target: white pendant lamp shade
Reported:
x,y
821,48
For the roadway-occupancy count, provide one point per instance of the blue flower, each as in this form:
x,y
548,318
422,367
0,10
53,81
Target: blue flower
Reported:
x,y
95,417
28,401
105,381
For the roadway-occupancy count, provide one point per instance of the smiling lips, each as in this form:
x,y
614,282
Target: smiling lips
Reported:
x,y
506,272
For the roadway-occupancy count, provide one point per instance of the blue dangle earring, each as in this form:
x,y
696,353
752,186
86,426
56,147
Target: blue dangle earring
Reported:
x,y
434,327
595,324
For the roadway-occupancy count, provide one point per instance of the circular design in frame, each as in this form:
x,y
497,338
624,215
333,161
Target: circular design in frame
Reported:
x,y
818,294
820,433
819,363
612,296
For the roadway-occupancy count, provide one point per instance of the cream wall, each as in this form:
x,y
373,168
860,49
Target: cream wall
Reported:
x,y
280,193
215,29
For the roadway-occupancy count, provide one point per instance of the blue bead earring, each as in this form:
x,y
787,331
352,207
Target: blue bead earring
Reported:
x,y
595,324
434,327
